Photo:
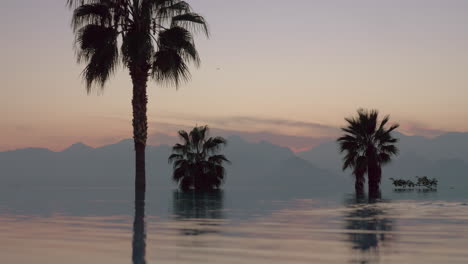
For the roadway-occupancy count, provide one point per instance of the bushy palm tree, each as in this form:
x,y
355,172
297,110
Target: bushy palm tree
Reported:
x,y
368,145
152,38
197,162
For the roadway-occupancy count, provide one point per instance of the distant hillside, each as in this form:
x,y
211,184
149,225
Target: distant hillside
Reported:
x,y
254,166
444,157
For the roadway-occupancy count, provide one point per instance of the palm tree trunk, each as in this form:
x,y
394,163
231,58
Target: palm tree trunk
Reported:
x,y
139,233
359,185
374,174
140,123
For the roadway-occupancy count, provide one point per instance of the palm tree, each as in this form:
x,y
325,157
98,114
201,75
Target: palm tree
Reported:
x,y
152,38
368,145
197,162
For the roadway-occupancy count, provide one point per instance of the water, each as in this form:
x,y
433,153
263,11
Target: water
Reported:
x,y
58,225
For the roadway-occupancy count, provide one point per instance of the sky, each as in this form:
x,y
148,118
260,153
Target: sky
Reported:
x,y
283,71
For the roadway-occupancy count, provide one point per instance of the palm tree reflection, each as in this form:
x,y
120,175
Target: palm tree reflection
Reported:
x,y
202,208
139,233
368,226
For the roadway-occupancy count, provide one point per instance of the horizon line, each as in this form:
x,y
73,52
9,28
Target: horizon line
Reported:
x,y
293,149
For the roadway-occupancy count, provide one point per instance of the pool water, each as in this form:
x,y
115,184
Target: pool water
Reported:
x,y
54,225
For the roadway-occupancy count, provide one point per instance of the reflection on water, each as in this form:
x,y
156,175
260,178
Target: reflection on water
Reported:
x,y
198,205
368,227
202,209
139,233
200,228
402,190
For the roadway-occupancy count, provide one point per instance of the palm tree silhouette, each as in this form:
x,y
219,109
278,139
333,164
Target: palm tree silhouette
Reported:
x,y
197,164
368,145
156,41
139,230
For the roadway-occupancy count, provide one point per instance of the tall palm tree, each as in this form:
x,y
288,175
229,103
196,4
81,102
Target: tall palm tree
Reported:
x,y
368,145
197,162
152,38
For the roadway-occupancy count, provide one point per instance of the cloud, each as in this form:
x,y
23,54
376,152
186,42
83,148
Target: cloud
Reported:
x,y
273,121
419,129
167,136
157,139
248,124
295,143
297,135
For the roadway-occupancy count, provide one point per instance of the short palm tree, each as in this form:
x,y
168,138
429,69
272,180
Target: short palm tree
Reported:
x,y
197,162
368,145
152,38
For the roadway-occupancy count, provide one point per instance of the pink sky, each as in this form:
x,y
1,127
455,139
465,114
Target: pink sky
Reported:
x,y
294,71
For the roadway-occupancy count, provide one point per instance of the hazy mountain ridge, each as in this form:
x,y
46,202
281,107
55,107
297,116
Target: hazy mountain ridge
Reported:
x,y
444,157
254,165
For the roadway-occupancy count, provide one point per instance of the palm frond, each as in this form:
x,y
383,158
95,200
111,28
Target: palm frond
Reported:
x,y
191,21
389,149
97,46
349,160
212,145
195,137
184,136
180,149
372,121
393,127
137,47
218,159
384,122
165,9
384,158
203,132
175,157
180,40
169,68
97,14
182,163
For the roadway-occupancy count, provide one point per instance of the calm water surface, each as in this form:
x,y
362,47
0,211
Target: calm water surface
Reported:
x,y
57,225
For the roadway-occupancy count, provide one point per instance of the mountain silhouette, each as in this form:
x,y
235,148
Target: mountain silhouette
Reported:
x,y
444,157
260,171
254,166
78,147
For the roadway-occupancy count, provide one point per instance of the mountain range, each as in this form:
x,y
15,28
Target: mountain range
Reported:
x,y
254,165
444,157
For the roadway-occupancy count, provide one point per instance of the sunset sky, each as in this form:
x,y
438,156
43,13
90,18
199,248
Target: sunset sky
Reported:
x,y
290,68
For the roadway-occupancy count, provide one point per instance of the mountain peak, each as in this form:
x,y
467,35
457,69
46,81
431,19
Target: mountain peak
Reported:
x,y
78,147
